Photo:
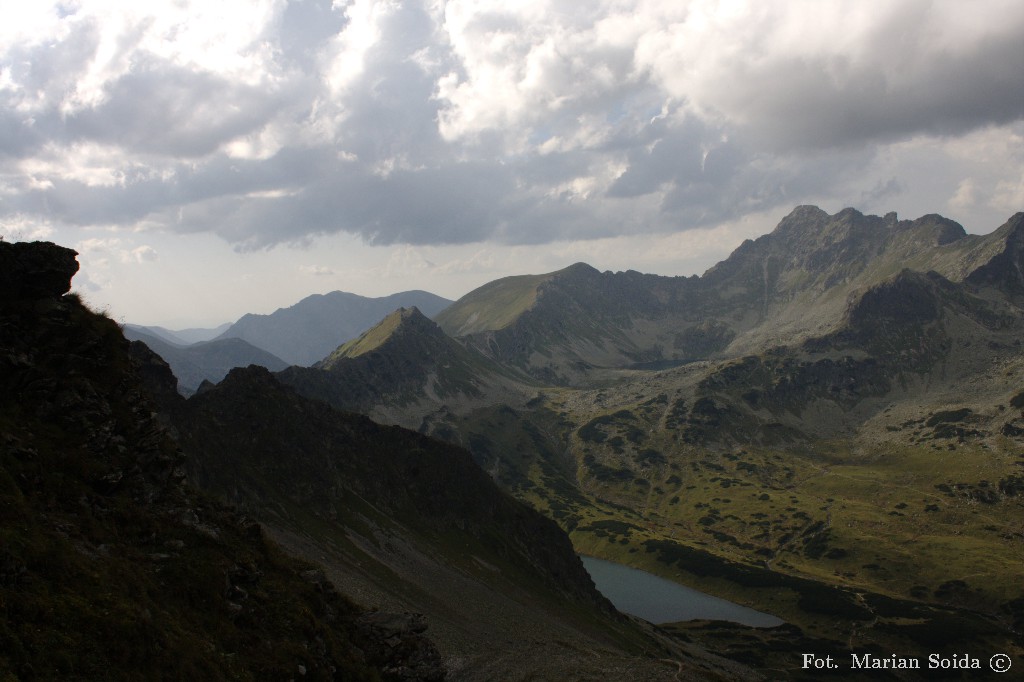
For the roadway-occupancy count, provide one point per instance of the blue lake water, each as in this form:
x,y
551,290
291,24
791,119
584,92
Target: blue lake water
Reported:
x,y
657,600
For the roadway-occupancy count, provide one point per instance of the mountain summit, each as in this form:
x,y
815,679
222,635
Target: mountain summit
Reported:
x,y
404,360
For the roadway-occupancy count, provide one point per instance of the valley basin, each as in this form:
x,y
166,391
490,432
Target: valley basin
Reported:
x,y
658,600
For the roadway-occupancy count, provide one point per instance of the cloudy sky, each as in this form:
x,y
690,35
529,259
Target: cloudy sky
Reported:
x,y
209,159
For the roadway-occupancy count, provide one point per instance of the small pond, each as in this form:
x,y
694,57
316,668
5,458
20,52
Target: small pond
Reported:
x,y
657,600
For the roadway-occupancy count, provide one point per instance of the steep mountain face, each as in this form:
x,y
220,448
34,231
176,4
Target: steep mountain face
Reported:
x,y
255,439
401,365
795,282
207,360
1004,270
110,565
913,336
312,328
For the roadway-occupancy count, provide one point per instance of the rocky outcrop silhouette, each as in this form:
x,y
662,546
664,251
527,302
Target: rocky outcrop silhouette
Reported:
x,y
35,270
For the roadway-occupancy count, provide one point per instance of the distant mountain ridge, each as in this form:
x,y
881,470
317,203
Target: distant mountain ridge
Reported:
x,y
181,337
308,331
404,360
207,360
789,285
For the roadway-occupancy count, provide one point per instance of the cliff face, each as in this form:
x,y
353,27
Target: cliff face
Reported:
x,y
110,565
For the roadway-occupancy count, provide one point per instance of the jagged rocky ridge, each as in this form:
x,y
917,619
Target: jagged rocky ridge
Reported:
x,y
195,363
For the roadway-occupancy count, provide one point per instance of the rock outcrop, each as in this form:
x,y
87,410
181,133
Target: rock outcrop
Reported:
x,y
35,270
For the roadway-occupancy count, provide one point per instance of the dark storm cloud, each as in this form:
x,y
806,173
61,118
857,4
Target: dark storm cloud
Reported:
x,y
445,205
802,103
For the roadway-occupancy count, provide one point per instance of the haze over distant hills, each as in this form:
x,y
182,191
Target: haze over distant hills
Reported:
x,y
195,363
182,337
303,333
309,330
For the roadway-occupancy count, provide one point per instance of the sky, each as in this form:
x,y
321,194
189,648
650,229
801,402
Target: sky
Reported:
x,y
211,159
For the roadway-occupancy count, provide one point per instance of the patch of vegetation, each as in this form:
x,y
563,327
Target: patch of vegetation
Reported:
x,y
605,473
651,457
949,416
1017,401
613,526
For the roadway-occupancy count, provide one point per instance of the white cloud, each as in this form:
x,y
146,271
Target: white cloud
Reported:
x,y
142,254
316,270
966,195
25,228
1009,195
480,122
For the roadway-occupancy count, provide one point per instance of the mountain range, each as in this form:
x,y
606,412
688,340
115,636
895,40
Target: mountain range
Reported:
x,y
297,335
210,361
250,533
308,331
826,426
179,337
837,403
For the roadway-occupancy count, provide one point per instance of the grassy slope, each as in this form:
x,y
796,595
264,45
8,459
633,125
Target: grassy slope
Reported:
x,y
493,306
900,509
369,340
870,520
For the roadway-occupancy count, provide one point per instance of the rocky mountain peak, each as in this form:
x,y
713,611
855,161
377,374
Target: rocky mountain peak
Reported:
x,y
938,230
401,326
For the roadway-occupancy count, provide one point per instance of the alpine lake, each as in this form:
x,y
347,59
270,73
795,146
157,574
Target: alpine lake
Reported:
x,y
658,600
